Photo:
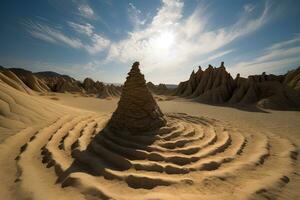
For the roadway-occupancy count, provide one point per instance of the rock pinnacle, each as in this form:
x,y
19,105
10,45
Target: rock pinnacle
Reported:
x,y
137,110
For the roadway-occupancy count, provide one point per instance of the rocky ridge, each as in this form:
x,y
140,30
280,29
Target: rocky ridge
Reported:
x,y
216,86
43,82
29,79
160,89
60,83
292,79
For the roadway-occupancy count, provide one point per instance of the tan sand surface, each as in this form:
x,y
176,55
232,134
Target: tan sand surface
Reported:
x,y
285,123
203,152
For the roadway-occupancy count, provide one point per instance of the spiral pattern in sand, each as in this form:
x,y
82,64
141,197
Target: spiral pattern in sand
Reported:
x,y
188,158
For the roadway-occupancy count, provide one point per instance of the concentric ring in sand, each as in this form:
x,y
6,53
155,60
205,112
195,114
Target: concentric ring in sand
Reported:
x,y
196,157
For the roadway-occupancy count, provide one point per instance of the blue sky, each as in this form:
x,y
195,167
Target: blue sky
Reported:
x,y
102,38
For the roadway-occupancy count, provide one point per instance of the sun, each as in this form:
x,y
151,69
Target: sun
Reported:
x,y
165,40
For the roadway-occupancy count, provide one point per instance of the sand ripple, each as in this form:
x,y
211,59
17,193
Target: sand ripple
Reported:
x,y
189,158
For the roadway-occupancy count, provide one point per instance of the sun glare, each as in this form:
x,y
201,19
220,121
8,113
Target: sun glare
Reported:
x,y
165,40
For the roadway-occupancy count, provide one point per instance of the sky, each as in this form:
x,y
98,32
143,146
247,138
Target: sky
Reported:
x,y
170,38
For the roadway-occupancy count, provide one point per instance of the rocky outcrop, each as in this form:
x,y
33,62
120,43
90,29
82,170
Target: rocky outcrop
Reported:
x,y
13,80
137,109
47,81
60,83
92,87
268,91
160,89
292,79
64,83
100,89
216,86
29,79
110,91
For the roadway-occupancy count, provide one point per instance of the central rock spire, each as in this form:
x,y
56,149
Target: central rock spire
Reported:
x,y
137,110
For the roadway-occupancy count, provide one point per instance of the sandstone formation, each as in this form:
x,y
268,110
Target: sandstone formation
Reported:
x,y
8,77
92,87
60,152
60,83
47,81
213,86
160,89
64,83
137,109
216,86
292,79
111,91
30,80
267,91
100,89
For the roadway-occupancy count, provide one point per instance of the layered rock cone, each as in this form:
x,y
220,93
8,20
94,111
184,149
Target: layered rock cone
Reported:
x,y
137,110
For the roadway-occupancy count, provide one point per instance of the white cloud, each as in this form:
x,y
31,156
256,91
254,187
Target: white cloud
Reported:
x,y
44,32
86,11
279,45
217,55
99,43
272,59
169,14
82,28
42,36
249,8
169,41
135,16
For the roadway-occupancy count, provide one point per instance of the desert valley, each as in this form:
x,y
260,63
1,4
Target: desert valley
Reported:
x,y
149,100
70,145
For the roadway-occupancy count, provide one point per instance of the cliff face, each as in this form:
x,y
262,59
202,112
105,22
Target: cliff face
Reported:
x,y
216,86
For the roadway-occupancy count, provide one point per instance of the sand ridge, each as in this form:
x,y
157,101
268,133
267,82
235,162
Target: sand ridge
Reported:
x,y
208,159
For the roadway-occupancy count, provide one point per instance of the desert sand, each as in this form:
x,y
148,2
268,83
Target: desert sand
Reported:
x,y
64,146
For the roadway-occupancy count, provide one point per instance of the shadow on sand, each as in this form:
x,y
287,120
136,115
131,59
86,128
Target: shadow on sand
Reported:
x,y
112,150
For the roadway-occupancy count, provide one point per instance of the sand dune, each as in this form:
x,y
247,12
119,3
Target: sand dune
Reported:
x,y
61,152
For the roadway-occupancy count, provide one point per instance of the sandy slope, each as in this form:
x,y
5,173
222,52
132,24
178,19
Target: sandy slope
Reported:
x,y
228,154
